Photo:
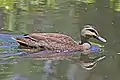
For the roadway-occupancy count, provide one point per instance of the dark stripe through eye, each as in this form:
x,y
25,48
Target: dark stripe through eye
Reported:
x,y
93,31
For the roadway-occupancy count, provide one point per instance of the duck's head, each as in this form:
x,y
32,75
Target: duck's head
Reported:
x,y
89,32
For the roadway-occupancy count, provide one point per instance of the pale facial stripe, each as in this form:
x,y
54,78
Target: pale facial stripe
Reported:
x,y
92,30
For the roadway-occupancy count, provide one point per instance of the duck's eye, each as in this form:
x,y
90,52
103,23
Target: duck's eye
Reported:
x,y
93,31
89,36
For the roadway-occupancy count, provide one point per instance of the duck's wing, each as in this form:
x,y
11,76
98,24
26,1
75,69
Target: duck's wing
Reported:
x,y
55,37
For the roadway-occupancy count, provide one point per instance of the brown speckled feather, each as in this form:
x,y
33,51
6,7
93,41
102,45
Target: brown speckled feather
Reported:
x,y
60,38
51,41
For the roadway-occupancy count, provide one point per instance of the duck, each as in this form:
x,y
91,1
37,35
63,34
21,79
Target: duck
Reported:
x,y
60,42
58,45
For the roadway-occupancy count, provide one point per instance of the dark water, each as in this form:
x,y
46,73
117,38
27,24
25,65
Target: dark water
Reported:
x,y
69,18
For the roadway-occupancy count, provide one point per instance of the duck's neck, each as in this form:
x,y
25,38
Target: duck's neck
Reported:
x,y
84,40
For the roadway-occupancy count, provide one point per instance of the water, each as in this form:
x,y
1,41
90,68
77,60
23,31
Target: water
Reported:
x,y
68,18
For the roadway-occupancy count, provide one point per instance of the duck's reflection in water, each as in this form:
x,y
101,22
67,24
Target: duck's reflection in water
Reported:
x,y
81,61
52,60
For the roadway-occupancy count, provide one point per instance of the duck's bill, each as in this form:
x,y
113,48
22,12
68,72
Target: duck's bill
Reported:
x,y
101,39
